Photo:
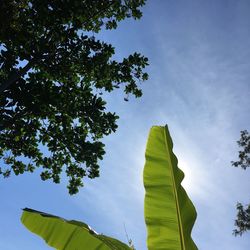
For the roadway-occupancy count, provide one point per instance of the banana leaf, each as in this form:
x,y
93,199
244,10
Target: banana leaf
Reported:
x,y
68,234
169,213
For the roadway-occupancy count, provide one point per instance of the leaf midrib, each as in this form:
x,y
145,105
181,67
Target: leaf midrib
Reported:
x,y
175,193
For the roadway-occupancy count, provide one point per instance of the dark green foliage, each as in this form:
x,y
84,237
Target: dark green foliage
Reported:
x,y
243,219
51,71
244,154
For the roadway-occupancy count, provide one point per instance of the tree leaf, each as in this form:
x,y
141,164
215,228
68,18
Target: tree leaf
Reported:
x,y
169,213
68,234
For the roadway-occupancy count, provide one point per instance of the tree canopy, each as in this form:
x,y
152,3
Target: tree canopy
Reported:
x,y
242,221
244,153
53,70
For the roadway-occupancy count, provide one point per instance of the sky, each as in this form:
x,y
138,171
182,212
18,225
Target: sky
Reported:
x,y
199,85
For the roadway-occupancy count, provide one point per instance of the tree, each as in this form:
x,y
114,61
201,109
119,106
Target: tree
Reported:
x,y
53,71
244,154
242,221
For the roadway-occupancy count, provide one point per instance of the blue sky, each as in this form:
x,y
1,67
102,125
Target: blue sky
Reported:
x,y
199,85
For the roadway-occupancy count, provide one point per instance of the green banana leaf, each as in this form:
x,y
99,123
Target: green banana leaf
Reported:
x,y
169,213
68,234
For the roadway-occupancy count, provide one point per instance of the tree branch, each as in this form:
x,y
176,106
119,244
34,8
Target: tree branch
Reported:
x,y
15,76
